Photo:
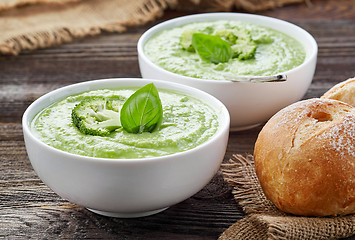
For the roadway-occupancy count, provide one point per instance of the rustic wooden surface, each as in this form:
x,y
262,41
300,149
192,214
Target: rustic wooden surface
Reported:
x,y
30,210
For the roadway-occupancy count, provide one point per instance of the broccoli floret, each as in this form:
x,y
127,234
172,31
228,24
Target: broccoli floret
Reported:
x,y
97,116
244,51
243,46
227,35
186,40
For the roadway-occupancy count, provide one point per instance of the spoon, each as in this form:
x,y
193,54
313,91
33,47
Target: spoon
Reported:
x,y
274,78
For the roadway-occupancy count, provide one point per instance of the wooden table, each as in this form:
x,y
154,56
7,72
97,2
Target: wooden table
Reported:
x,y
30,210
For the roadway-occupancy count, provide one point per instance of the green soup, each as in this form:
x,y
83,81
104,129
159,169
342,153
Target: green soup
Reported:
x,y
187,123
275,52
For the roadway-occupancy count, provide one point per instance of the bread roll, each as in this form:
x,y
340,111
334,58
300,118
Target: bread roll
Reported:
x,y
305,158
343,91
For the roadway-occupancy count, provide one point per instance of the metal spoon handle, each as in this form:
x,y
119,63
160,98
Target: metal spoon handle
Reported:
x,y
274,78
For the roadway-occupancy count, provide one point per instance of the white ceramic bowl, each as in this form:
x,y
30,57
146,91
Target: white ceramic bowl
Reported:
x,y
126,187
249,104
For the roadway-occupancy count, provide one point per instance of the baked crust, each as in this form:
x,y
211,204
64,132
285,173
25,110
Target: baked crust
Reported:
x,y
305,158
343,91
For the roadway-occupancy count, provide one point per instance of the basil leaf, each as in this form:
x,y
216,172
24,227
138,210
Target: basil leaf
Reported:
x,y
142,111
211,48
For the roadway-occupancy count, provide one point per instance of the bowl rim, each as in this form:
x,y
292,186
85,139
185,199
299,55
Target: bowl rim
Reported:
x,y
204,17
53,96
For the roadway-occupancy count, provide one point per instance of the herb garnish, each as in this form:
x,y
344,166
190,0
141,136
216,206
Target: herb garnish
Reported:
x,y
142,111
211,48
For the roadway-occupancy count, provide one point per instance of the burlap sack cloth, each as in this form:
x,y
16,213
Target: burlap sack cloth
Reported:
x,y
264,220
32,24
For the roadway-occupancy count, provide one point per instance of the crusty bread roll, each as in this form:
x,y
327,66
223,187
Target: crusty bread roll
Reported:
x,y
343,91
305,158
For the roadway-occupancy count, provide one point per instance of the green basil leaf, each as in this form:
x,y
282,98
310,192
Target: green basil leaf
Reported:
x,y
142,111
211,48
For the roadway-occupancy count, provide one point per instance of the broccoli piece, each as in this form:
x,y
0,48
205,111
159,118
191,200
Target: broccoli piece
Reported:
x,y
186,40
97,116
226,34
243,46
243,50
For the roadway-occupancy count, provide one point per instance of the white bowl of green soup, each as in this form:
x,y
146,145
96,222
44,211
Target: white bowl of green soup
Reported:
x,y
209,50
126,147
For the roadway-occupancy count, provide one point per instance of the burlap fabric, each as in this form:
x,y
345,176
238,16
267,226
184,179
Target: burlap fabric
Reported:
x,y
32,24
264,220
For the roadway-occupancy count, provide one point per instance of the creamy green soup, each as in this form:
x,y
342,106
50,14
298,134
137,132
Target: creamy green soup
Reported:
x,y
187,123
275,52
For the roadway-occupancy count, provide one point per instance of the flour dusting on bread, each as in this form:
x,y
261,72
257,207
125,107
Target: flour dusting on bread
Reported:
x,y
305,158
343,91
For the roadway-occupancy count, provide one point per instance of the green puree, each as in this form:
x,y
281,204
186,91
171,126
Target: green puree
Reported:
x,y
257,50
187,123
